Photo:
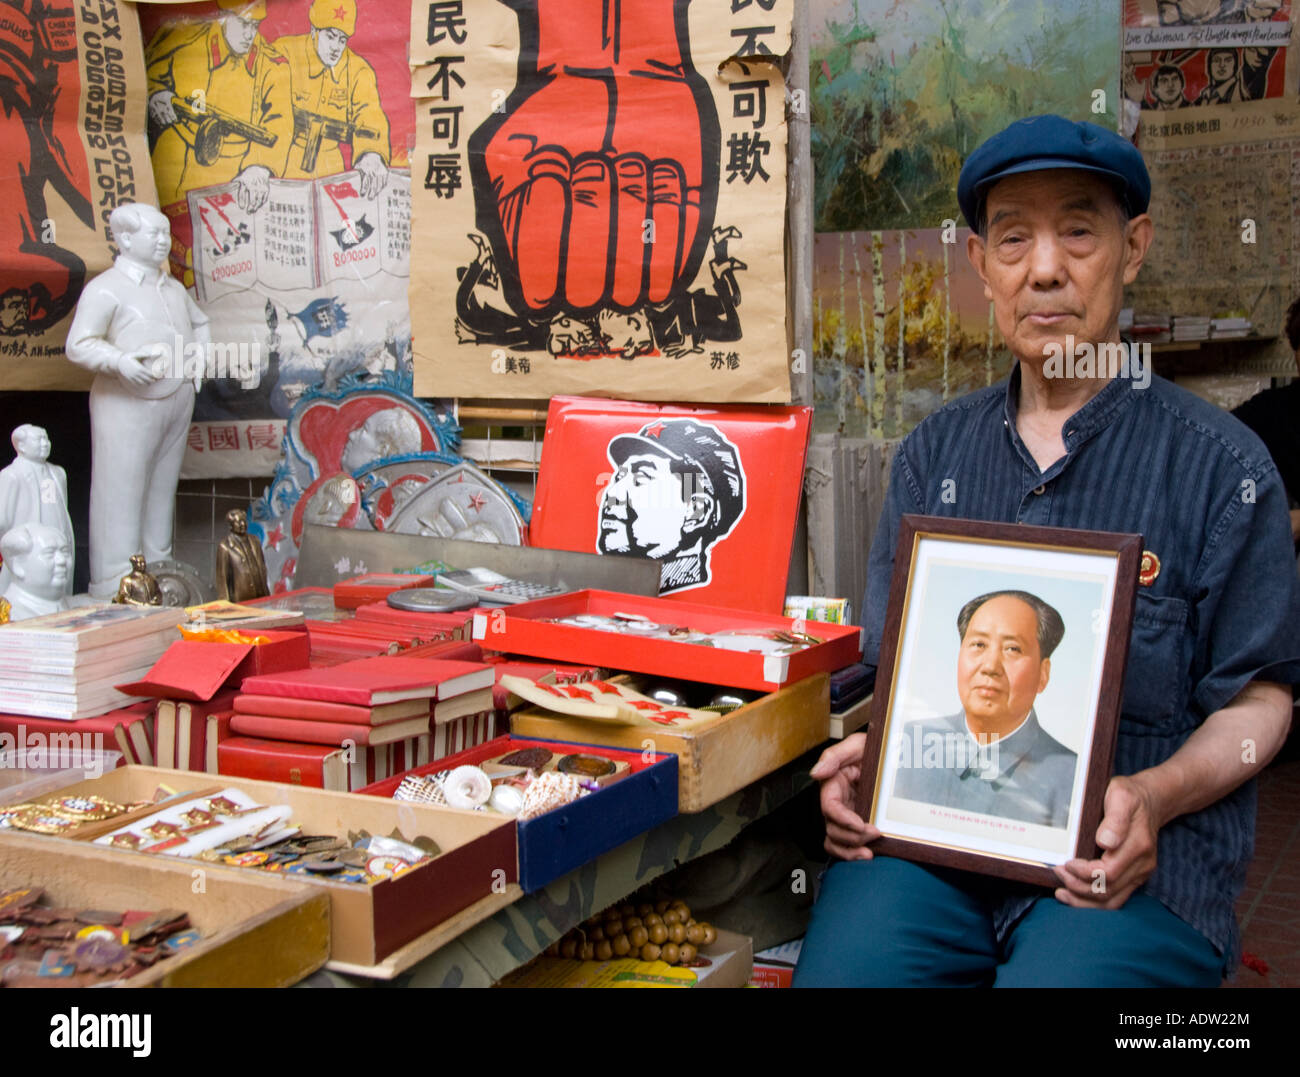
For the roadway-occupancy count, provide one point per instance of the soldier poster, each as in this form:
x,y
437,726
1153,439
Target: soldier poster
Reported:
x,y
280,135
1206,74
605,187
72,86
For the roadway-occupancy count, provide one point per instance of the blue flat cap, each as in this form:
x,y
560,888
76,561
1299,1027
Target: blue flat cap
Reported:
x,y
1042,142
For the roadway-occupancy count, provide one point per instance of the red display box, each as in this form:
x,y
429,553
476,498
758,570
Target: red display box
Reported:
x,y
523,629
565,838
197,670
374,587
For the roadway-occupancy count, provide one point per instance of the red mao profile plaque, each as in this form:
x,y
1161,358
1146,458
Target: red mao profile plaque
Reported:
x,y
711,493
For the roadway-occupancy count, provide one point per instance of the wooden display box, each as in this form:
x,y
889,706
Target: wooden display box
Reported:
x,y
558,841
719,759
367,923
257,931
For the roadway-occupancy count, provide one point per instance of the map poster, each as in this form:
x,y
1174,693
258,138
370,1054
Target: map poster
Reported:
x,y
72,84
602,188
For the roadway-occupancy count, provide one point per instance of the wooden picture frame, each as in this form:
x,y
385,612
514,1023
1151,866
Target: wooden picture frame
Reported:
x,y
993,787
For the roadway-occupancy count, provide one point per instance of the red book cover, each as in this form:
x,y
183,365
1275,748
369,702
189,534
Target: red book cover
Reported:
x,y
107,732
370,681
373,586
321,766
456,624
318,710
335,733
460,650
192,728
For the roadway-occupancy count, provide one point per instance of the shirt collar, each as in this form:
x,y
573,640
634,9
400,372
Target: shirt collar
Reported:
x,y
135,271
993,759
1116,395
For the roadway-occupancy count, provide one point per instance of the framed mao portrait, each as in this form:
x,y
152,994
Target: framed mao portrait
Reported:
x,y
998,694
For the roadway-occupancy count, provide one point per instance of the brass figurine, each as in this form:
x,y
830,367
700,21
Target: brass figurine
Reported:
x,y
138,588
241,566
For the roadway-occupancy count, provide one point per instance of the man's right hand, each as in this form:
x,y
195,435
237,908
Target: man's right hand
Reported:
x,y
253,188
161,109
140,367
838,770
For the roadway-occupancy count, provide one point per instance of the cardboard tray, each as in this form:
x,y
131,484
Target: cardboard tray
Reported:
x,y
367,923
559,841
732,956
257,931
523,629
720,758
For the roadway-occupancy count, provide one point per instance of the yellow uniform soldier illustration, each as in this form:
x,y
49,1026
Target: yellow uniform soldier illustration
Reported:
x,y
335,101
219,105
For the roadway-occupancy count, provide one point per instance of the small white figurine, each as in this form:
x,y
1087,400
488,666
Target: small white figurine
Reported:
x,y
40,564
32,490
136,327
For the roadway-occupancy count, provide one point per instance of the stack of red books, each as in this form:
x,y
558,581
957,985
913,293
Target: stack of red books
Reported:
x,y
345,726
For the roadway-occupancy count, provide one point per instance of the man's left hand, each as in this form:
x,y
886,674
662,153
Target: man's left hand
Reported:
x,y
374,174
1127,836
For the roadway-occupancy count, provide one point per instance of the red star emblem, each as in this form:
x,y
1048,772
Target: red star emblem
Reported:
x,y
274,538
477,501
654,430
340,13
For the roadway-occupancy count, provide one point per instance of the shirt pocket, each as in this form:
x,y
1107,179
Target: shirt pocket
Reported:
x,y
1155,682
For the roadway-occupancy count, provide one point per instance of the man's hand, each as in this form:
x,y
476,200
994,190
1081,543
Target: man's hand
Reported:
x,y
374,174
161,109
1127,836
141,367
253,188
838,770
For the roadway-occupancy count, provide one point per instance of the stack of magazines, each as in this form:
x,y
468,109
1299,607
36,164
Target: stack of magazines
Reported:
x,y
64,665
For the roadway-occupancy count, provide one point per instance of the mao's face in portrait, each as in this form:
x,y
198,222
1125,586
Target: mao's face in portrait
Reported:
x,y
643,511
999,668
45,568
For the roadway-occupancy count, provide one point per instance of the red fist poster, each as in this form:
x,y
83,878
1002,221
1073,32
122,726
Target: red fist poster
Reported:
x,y
603,183
710,493
72,128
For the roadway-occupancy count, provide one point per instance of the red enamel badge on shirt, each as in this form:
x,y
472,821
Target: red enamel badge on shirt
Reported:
x,y
1149,569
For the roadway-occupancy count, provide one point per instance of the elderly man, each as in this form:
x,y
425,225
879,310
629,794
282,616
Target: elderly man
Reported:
x,y
1059,212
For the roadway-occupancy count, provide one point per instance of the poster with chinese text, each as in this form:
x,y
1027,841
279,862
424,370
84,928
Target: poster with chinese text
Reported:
x,y
601,189
72,86
280,132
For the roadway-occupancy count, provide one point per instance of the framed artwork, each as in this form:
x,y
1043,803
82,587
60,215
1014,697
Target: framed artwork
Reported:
x,y
711,493
998,694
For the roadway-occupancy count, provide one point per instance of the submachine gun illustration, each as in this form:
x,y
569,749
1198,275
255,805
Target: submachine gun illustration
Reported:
x,y
212,126
311,127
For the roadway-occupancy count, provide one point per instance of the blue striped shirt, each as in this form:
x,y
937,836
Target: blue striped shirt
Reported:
x,y
1224,610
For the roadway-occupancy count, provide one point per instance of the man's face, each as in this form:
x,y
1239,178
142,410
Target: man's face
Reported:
x,y
239,33
1056,260
1223,65
44,570
643,510
1168,88
34,444
13,312
363,445
150,242
238,523
999,671
330,44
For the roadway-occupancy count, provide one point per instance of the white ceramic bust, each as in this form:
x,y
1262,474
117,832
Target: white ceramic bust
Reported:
x,y
40,565
32,490
134,326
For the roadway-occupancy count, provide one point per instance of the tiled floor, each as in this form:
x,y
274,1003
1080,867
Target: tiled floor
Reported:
x,y
1269,908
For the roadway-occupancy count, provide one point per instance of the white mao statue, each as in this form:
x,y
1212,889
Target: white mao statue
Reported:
x,y
40,566
136,327
32,490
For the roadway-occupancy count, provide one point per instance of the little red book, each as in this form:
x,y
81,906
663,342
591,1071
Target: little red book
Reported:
x,y
128,730
321,766
335,733
367,682
318,710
